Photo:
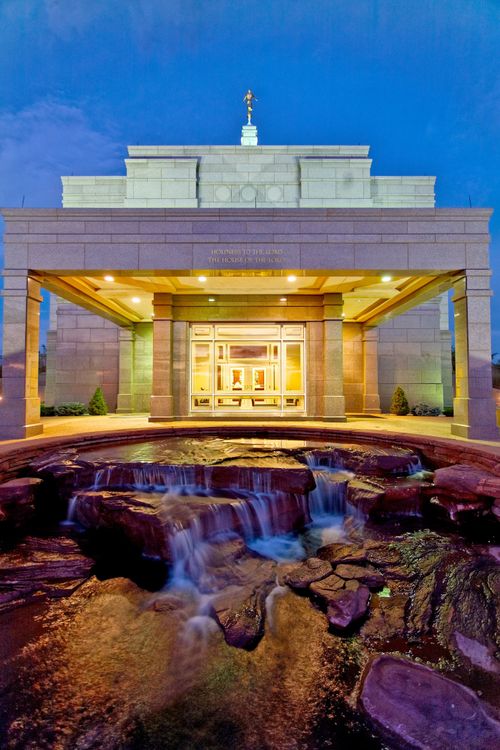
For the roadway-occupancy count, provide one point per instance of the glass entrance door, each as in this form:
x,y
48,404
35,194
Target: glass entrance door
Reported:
x,y
247,368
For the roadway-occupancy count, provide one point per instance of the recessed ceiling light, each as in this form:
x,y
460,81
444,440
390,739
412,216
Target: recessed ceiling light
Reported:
x,y
136,300
211,299
282,299
386,278
291,278
202,278
109,278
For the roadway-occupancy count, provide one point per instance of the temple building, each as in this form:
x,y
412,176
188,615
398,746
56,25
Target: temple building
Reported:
x,y
248,281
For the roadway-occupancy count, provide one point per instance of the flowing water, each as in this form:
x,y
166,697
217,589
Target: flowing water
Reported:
x,y
118,667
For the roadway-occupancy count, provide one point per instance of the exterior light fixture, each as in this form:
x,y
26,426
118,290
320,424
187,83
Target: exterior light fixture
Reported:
x,y
282,299
136,300
152,315
291,278
386,278
109,278
211,299
202,278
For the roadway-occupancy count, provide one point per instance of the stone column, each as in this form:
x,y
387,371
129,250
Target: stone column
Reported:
x,y
161,395
49,395
371,396
473,405
125,398
20,405
333,376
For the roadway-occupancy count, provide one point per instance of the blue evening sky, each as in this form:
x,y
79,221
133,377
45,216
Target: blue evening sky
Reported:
x,y
418,80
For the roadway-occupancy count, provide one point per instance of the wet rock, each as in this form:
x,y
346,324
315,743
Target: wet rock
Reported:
x,y
339,552
364,495
416,707
157,524
345,607
63,474
467,480
52,566
469,613
459,510
382,554
367,459
17,500
309,571
324,588
402,498
367,576
387,618
241,615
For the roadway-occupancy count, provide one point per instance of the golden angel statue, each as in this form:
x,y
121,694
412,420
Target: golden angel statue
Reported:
x,y
249,99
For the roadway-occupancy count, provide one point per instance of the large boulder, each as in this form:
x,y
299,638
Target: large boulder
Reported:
x,y
40,567
240,612
17,500
415,707
366,459
469,481
346,607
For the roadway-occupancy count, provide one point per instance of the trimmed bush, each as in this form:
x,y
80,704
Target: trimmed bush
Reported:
x,y
424,410
47,411
97,404
399,403
71,409
448,411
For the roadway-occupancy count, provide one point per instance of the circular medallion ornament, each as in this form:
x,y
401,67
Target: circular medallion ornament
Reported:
x,y
223,194
248,193
274,194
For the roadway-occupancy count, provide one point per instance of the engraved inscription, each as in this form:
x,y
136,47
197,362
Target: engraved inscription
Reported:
x,y
239,255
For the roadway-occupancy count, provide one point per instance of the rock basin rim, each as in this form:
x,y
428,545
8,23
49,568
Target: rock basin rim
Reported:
x,y
436,451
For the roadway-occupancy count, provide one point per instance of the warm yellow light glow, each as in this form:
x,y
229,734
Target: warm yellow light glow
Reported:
x,y
109,278
386,278
211,299
282,299
136,300
291,278
202,278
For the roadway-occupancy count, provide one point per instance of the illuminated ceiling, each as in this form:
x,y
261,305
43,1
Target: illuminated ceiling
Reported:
x,y
127,299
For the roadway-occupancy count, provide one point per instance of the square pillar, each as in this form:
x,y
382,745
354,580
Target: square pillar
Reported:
x,y
161,394
473,405
125,398
20,405
371,396
333,375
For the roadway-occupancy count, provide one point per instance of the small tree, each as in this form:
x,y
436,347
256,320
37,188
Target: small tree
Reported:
x,y
399,403
97,404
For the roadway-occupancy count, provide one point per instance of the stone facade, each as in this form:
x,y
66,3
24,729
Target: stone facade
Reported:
x,y
369,260
248,177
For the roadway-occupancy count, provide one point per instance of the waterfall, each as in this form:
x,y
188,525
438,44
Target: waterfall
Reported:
x,y
70,515
329,496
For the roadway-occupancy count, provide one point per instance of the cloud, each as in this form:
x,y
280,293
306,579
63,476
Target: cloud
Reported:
x,y
44,141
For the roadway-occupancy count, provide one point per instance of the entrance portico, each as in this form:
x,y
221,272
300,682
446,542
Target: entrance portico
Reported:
x,y
324,272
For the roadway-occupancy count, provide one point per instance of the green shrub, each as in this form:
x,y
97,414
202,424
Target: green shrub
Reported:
x,y
448,411
71,409
399,403
47,411
97,404
425,410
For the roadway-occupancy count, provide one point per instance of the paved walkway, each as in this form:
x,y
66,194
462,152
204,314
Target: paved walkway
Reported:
x,y
433,427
